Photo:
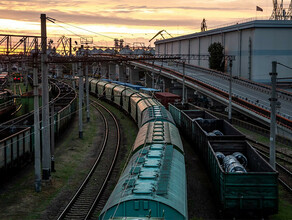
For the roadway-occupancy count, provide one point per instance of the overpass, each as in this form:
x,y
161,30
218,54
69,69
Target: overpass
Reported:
x,y
248,97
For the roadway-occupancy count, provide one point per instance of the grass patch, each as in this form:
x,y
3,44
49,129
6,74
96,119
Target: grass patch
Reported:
x,y
20,201
285,207
257,137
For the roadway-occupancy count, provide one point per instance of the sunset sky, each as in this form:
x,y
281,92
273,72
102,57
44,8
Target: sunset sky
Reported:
x,y
132,20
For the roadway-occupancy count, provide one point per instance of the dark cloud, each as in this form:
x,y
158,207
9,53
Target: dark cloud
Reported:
x,y
94,18
135,8
47,3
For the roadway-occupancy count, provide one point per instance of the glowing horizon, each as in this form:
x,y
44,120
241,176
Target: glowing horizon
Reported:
x,y
130,20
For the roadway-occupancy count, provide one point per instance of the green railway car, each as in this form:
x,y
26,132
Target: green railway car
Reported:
x,y
255,190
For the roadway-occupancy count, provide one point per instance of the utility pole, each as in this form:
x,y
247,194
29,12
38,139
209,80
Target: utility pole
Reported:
x,y
230,93
183,85
53,138
36,117
73,75
70,46
46,154
153,84
80,100
273,124
87,93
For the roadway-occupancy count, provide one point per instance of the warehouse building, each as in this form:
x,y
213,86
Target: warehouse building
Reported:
x,y
255,44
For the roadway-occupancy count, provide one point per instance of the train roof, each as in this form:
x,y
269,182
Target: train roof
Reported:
x,y
155,173
158,132
150,89
137,87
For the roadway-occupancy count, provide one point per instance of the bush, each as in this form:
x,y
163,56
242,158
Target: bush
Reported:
x,y
216,59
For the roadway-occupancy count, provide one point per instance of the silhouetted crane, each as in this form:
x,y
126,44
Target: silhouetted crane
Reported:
x,y
160,32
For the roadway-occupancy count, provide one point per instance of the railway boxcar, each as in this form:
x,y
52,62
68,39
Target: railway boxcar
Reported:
x,y
255,190
93,85
158,132
118,91
126,96
109,91
135,99
155,113
101,88
166,97
140,102
154,182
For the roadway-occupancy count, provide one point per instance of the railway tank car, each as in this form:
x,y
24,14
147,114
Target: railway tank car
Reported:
x,y
153,184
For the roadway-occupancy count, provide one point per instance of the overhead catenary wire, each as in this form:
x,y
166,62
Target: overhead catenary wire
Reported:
x,y
53,20
281,64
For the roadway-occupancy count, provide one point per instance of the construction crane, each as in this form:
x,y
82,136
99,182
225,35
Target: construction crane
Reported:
x,y
160,32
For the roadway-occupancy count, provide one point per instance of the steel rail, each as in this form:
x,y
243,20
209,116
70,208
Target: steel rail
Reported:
x,y
282,171
111,167
260,146
91,172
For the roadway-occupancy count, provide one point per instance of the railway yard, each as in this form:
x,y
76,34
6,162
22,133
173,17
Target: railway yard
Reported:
x,y
82,165
197,127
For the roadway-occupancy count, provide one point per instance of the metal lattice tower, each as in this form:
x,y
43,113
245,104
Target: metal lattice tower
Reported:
x,y
289,11
279,13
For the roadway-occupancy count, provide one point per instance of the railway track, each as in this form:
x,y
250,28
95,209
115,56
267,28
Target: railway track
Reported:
x,y
285,175
89,195
285,158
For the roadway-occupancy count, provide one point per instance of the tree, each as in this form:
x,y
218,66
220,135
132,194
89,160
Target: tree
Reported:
x,y
216,59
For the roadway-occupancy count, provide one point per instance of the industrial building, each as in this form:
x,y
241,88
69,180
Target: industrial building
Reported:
x,y
255,44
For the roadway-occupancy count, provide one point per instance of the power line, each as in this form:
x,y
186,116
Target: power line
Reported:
x,y
288,67
53,20
67,29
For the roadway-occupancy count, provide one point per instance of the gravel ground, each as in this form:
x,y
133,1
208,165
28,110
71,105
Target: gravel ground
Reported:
x,y
201,202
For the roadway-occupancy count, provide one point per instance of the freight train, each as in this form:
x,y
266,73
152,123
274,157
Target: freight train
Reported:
x,y
17,135
154,181
242,188
153,184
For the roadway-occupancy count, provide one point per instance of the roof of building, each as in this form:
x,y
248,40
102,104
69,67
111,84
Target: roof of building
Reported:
x,y
233,27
